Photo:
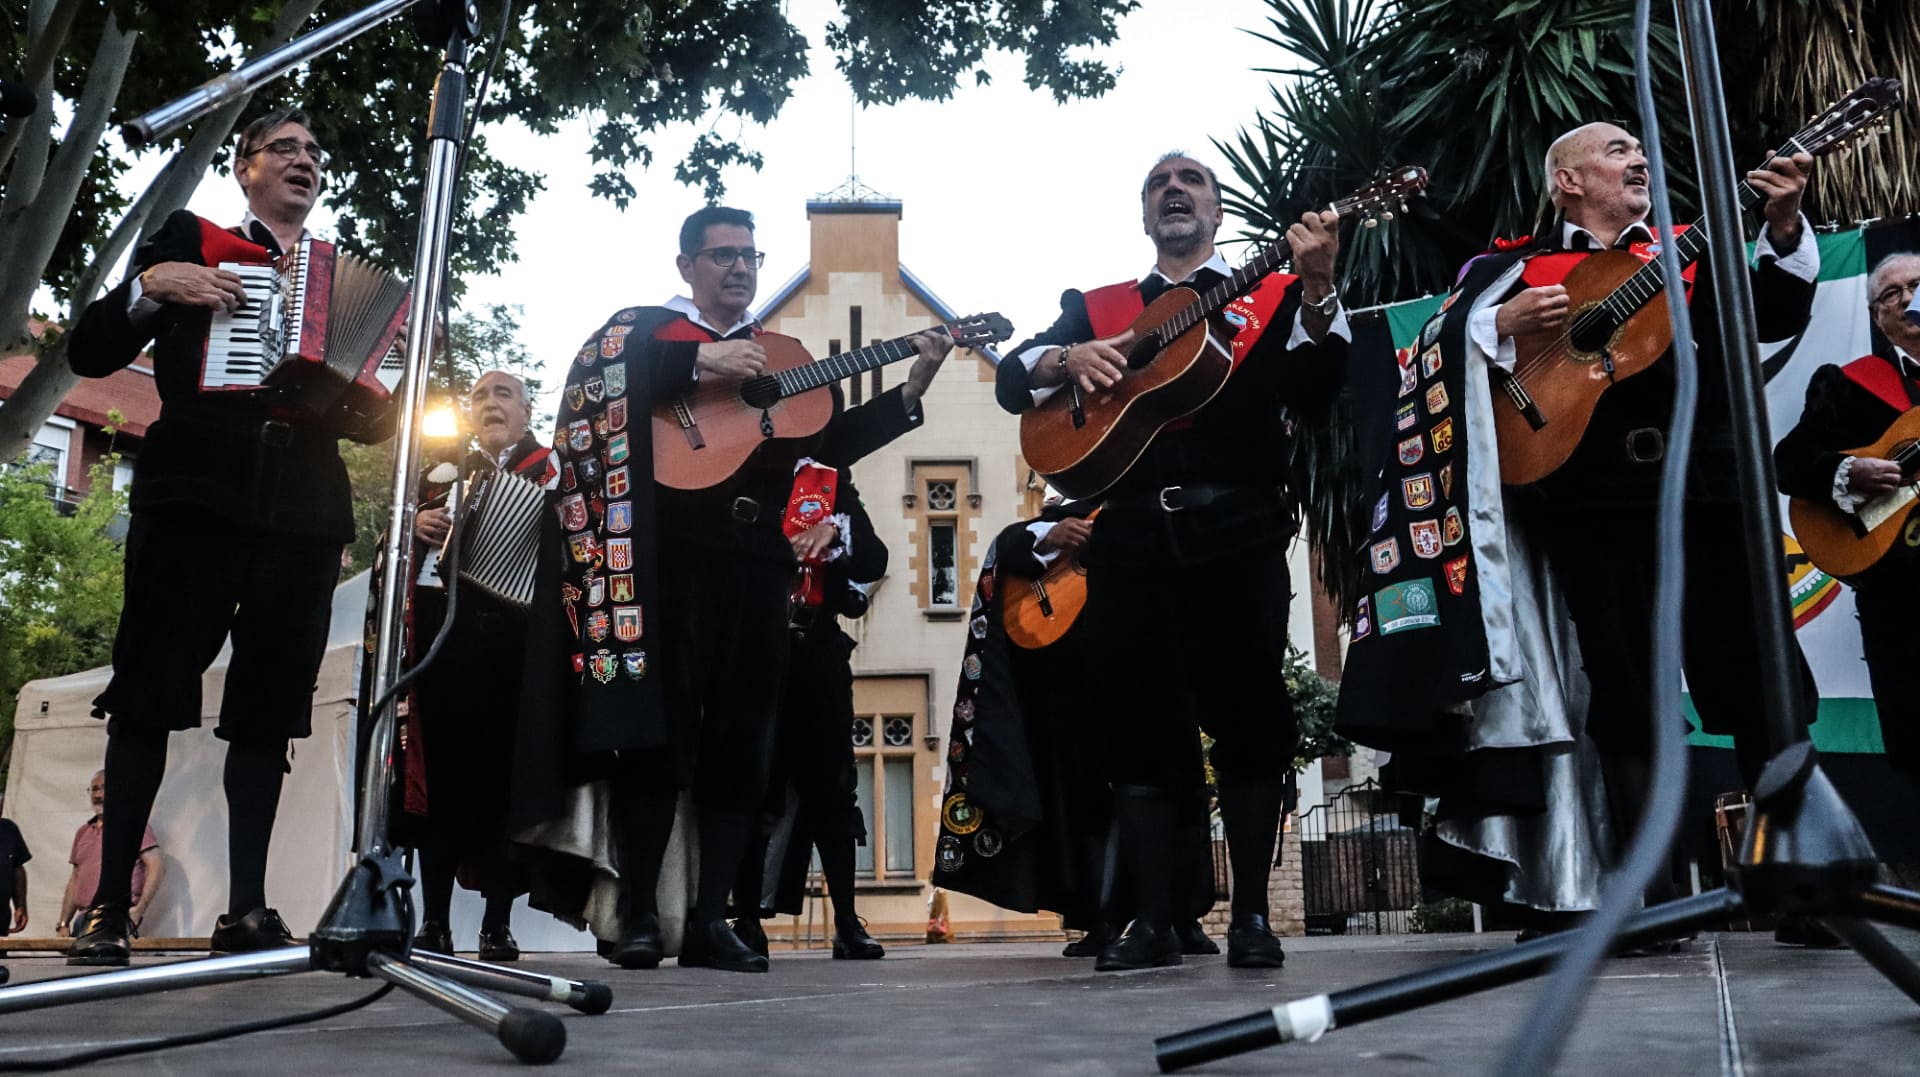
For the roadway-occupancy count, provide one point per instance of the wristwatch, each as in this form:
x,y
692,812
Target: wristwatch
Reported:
x,y
1325,306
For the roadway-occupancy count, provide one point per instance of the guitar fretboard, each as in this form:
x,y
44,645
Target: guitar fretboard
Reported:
x,y
845,365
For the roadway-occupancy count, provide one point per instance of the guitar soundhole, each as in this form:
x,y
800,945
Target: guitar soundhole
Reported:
x,y
1591,330
761,392
1144,351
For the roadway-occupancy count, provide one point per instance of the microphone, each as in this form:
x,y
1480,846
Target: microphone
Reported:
x,y
17,99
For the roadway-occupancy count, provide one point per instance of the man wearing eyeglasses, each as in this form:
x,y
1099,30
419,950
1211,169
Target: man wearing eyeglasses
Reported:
x,y
1849,406
695,583
240,510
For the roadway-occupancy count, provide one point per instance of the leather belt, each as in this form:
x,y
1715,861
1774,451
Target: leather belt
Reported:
x,y
1194,496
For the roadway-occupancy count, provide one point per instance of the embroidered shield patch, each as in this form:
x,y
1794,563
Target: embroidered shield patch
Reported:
x,y
617,482
617,415
1380,511
601,665
612,346
1416,491
1404,606
1429,363
616,379
1411,450
580,435
1409,374
596,590
620,554
596,389
1386,555
1362,620
1446,481
575,397
1426,538
1457,575
1407,417
634,664
620,517
617,450
573,512
1442,435
621,587
626,623
597,626
1436,398
1451,529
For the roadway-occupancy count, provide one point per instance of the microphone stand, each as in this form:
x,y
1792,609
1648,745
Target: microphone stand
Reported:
x,y
366,930
1804,852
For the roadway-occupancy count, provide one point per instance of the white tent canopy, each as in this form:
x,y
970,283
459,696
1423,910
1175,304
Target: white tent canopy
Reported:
x,y
58,745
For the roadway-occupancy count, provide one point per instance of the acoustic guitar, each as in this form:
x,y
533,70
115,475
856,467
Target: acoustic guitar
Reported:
x,y
1181,356
1842,544
1038,612
704,436
1617,318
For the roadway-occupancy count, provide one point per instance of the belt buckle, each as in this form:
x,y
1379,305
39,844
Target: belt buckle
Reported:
x,y
276,434
1655,445
802,618
744,509
1170,491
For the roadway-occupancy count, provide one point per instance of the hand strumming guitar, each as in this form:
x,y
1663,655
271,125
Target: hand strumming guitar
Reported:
x,y
1533,311
1870,476
1067,536
1096,364
736,359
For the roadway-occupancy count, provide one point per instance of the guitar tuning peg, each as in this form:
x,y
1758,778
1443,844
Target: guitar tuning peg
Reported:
x,y
1386,215
1371,222
1403,205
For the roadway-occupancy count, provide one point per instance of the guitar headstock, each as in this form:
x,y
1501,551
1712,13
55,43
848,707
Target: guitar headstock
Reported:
x,y
1865,109
1377,201
979,329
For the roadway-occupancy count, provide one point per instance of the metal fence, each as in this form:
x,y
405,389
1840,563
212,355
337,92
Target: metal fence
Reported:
x,y
1358,864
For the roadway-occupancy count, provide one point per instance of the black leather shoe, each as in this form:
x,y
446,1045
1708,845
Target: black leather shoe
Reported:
x,y
434,937
261,929
1251,945
1139,947
1089,944
103,937
751,931
1193,939
1798,930
496,944
713,945
642,948
851,942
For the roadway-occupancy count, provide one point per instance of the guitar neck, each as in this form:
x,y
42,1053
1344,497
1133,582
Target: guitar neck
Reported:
x,y
834,368
1216,298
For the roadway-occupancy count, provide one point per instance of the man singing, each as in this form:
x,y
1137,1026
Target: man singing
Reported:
x,y
240,508
1187,582
467,700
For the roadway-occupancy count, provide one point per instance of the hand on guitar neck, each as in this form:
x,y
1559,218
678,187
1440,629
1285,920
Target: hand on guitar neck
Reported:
x,y
1066,537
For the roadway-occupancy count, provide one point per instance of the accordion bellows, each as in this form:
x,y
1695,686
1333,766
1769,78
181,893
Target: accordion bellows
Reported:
x,y
500,540
317,321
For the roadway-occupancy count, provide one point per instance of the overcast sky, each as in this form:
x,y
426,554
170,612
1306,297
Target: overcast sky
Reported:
x,y
1008,197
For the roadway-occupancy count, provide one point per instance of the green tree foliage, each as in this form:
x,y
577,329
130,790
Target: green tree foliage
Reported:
x,y
60,580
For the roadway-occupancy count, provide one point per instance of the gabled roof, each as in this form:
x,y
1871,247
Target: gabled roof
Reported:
x,y
914,284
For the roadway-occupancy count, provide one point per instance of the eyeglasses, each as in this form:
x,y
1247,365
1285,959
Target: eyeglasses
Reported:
x,y
1896,293
288,148
726,256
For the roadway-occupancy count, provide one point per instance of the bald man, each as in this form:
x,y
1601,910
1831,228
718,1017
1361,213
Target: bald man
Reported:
x,y
465,707
1849,406
1597,513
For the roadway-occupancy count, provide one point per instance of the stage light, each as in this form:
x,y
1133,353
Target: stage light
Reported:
x,y
442,423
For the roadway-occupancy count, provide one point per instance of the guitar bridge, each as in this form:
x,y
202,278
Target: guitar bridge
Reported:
x,y
688,428
1517,393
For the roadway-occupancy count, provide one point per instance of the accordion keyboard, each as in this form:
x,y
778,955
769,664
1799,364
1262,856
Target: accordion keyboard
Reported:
x,y
244,345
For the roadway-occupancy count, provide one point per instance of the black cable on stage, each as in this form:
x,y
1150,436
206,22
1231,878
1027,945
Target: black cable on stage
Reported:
x,y
189,1039
1543,1035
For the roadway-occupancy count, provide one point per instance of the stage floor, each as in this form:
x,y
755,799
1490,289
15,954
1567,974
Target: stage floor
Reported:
x,y
1735,1004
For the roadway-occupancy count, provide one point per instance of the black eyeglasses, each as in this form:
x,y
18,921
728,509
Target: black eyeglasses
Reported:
x,y
288,148
1896,293
726,256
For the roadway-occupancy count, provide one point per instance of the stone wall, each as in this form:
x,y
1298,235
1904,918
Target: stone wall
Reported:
x,y
1286,895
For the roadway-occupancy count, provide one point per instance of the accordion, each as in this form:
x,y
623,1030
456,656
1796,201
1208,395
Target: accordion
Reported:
x,y
500,536
316,321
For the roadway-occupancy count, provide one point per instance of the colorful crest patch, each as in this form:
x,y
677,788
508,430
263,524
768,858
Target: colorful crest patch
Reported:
x,y
617,415
1429,364
626,623
1409,374
602,665
963,711
959,814
620,554
1436,398
634,664
1380,511
573,512
979,628
1442,434
600,426
598,625
950,856
596,590
1451,529
596,389
624,316
579,660
1457,575
1407,416
576,398
1386,555
569,479
1403,606
617,482
586,356
1411,450
620,587
1446,481
620,517
617,450
1426,538
1447,303
580,435
612,346
988,842
582,546
1363,620
970,667
591,471
1416,491
616,378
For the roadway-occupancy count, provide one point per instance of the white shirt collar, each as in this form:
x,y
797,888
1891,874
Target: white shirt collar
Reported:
x,y
1217,263
247,223
683,305
1908,364
1637,230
